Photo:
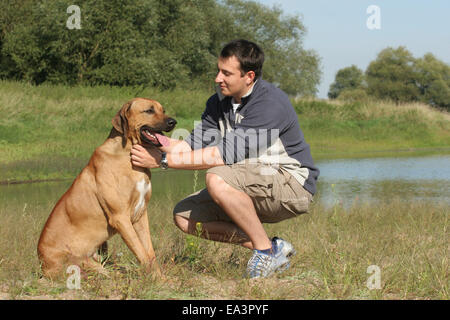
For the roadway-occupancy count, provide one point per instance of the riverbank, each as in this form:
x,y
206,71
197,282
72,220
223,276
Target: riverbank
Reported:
x,y
49,132
390,249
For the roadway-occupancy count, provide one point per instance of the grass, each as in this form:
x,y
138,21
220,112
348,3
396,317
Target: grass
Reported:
x,y
50,131
337,129
407,241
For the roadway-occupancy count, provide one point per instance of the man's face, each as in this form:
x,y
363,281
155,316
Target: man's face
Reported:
x,y
230,79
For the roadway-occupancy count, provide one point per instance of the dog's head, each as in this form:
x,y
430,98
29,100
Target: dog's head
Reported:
x,y
143,121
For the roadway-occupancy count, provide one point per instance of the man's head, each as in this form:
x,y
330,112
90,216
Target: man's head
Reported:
x,y
239,66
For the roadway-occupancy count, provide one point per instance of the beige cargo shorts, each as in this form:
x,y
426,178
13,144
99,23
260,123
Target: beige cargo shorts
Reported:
x,y
276,194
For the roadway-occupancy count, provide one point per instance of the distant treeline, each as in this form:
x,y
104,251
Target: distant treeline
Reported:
x,y
398,76
160,43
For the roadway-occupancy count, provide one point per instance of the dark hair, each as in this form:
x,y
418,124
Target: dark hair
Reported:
x,y
249,55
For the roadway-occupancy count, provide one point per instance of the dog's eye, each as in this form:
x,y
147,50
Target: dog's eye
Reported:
x,y
150,111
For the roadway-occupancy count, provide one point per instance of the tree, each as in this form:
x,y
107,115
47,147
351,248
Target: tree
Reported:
x,y
398,76
12,12
288,64
346,79
112,46
160,43
433,80
393,76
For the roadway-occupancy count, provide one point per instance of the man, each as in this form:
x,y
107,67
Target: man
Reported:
x,y
260,169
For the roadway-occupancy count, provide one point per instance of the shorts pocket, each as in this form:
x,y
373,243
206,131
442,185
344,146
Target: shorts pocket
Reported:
x,y
297,206
295,198
261,186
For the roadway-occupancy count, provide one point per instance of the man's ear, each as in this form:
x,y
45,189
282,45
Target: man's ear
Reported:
x,y
120,122
251,77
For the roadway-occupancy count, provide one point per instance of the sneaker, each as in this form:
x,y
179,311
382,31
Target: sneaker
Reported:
x,y
285,247
262,265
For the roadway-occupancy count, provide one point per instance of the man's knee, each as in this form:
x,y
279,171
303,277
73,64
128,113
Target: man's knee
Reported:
x,y
213,181
215,185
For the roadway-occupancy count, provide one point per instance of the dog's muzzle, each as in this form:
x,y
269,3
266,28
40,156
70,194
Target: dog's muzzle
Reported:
x,y
155,136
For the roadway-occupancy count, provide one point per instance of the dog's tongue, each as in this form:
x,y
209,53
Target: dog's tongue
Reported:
x,y
163,140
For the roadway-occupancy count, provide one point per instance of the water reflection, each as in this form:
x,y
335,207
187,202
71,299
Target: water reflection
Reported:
x,y
375,169
348,181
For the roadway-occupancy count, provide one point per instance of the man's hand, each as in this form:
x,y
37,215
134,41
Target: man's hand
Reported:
x,y
145,158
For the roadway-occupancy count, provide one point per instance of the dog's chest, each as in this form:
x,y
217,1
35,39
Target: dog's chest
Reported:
x,y
142,189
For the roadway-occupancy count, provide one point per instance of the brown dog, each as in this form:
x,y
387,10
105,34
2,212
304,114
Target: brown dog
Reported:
x,y
108,196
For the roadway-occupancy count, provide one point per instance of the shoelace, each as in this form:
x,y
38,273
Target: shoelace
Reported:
x,y
258,264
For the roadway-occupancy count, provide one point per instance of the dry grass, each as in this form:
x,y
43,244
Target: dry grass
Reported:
x,y
424,111
371,109
408,241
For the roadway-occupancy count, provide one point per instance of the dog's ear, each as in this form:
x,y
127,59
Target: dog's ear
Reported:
x,y
120,122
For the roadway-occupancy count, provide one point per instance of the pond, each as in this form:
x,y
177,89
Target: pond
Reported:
x,y
425,178
343,181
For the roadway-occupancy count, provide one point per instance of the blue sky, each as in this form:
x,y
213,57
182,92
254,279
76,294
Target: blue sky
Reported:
x,y
338,32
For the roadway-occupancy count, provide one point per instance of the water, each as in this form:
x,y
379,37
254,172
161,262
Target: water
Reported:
x,y
345,182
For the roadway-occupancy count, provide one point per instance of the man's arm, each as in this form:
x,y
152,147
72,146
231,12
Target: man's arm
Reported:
x,y
195,160
188,160
181,156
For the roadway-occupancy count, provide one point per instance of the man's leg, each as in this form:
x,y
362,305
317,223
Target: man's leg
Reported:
x,y
222,231
215,223
239,207
227,210
203,207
